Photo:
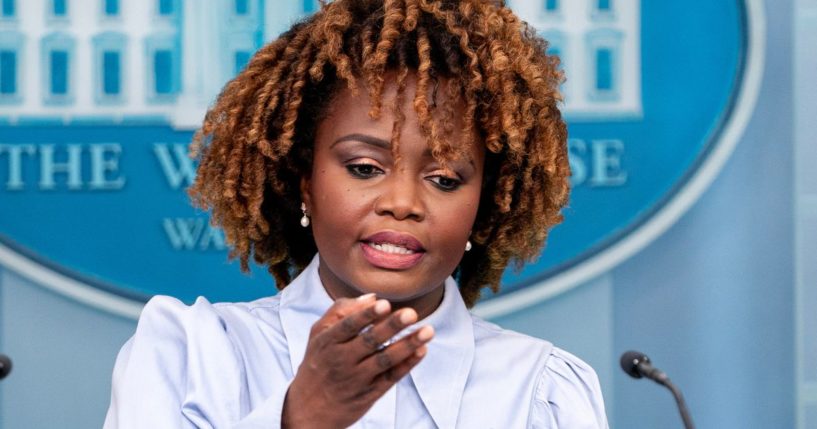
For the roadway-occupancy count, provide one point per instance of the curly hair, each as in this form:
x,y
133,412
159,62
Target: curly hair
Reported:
x,y
256,141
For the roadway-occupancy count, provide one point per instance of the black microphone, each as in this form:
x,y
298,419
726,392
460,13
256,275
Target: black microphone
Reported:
x,y
5,366
637,365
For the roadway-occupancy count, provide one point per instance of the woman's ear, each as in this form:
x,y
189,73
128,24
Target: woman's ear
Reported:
x,y
306,194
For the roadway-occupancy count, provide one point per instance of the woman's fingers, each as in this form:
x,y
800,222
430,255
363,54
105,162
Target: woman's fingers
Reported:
x,y
385,380
388,378
372,340
391,362
400,370
350,325
341,308
361,328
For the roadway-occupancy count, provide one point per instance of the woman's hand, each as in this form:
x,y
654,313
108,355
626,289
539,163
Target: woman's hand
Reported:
x,y
346,368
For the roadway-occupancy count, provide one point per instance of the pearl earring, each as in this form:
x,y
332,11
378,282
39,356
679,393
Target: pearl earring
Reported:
x,y
304,218
468,245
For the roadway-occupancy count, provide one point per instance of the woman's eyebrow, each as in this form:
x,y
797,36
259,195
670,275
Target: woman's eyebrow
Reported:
x,y
364,138
381,143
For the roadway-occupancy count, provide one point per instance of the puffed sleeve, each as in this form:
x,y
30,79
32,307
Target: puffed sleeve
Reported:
x,y
181,370
568,395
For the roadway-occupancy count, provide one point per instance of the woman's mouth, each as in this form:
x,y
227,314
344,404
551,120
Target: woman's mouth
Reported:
x,y
392,250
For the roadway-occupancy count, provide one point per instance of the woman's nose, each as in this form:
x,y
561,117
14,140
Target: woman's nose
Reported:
x,y
401,197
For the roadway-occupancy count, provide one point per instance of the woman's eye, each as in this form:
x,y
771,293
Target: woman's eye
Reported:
x,y
363,170
445,183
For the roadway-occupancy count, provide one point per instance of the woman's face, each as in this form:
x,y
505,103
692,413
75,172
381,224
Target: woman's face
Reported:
x,y
395,226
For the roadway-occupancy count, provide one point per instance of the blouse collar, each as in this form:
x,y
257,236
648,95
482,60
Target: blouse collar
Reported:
x,y
440,377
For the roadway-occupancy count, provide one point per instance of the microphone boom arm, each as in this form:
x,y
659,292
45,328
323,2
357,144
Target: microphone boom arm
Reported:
x,y
637,365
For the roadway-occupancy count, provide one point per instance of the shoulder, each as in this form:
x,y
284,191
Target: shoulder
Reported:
x,y
167,321
192,363
172,337
489,337
566,390
554,361
569,367
568,393
163,311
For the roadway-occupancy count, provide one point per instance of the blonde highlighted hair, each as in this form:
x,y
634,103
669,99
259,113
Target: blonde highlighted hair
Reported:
x,y
256,141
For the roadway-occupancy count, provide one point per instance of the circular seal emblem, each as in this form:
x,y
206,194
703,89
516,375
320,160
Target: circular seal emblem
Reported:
x,y
96,117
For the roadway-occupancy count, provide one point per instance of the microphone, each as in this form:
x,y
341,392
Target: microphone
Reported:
x,y
5,366
638,365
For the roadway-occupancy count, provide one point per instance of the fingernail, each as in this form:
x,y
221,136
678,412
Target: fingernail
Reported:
x,y
425,333
421,351
381,307
365,297
406,317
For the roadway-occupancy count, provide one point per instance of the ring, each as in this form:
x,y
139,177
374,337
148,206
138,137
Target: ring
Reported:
x,y
385,344
366,334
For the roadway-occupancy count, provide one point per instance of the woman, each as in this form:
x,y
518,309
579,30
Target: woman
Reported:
x,y
393,157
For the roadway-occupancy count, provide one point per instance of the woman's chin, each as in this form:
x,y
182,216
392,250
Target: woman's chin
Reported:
x,y
397,286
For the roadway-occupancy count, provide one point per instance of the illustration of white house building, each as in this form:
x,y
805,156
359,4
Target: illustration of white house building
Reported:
x,y
164,61
599,44
127,61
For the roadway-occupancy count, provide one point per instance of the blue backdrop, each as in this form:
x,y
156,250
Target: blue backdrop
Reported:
x,y
722,301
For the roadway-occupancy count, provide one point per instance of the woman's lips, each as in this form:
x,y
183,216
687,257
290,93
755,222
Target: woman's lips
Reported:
x,y
392,250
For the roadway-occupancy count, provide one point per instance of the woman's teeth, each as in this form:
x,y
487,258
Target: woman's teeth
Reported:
x,y
391,248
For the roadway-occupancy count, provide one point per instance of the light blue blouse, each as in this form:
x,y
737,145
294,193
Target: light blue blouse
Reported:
x,y
229,365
